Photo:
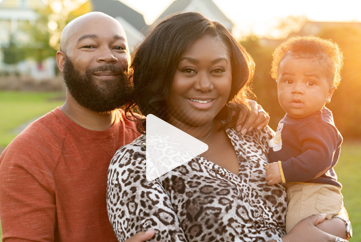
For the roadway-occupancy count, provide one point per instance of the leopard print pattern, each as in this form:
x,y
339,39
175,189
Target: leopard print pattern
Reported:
x,y
199,200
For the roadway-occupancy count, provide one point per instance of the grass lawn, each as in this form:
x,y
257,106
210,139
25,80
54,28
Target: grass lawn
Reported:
x,y
348,171
17,108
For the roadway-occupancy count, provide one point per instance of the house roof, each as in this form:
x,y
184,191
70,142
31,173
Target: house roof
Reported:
x,y
176,6
181,5
115,8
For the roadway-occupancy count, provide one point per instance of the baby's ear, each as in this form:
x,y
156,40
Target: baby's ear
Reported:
x,y
330,93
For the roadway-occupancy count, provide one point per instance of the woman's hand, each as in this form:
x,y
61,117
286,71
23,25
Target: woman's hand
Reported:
x,y
258,118
306,230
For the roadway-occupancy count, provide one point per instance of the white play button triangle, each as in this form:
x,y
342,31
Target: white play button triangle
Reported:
x,y
168,147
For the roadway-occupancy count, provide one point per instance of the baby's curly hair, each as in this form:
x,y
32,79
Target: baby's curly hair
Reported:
x,y
326,51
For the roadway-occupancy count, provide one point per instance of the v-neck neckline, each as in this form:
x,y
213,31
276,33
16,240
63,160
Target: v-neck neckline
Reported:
x,y
215,166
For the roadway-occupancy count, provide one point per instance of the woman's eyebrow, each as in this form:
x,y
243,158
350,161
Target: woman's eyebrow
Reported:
x,y
219,60
192,60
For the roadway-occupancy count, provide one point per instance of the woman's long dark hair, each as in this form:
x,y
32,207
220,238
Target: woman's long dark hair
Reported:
x,y
156,59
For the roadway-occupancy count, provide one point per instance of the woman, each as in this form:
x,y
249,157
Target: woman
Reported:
x,y
186,71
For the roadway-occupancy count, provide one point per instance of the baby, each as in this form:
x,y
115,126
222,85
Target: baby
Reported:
x,y
307,143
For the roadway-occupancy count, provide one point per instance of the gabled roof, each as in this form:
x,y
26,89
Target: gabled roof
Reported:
x,y
181,5
176,6
115,8
216,11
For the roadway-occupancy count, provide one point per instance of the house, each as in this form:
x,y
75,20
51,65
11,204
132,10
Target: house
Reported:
x,y
132,21
15,13
134,24
206,7
14,16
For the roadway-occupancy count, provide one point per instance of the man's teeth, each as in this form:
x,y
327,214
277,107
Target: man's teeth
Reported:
x,y
201,101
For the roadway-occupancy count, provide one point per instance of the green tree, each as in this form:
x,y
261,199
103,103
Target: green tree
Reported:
x,y
38,47
346,99
44,34
12,52
263,85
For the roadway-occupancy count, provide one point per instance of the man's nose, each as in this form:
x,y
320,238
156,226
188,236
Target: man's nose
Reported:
x,y
107,56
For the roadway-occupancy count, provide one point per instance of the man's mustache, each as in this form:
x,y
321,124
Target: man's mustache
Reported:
x,y
114,69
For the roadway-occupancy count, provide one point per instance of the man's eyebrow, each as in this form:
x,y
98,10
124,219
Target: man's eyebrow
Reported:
x,y
94,36
88,36
118,37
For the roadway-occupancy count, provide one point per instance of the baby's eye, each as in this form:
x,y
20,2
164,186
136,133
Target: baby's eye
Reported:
x,y
310,83
288,81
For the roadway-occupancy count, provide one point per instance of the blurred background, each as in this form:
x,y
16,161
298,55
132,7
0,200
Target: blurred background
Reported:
x,y
31,85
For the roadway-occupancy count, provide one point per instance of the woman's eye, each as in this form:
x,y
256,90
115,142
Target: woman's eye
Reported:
x,y
218,70
189,70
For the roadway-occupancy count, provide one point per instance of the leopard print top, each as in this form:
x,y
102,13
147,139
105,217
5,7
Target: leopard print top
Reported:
x,y
199,200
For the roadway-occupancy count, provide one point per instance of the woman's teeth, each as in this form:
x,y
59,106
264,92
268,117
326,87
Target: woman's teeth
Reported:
x,y
201,101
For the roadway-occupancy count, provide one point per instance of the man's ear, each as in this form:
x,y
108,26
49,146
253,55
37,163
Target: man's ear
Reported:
x,y
60,60
330,93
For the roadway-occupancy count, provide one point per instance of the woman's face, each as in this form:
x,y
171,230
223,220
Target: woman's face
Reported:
x,y
201,84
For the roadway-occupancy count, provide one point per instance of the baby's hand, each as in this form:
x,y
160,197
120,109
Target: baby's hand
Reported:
x,y
273,175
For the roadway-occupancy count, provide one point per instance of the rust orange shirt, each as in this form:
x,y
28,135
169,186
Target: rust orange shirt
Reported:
x,y
53,180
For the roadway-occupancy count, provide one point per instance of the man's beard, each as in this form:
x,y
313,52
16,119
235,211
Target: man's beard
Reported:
x,y
108,96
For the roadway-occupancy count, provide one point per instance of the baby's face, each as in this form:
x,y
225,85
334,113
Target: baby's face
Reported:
x,y
303,86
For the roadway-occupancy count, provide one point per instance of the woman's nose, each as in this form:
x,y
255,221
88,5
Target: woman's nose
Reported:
x,y
203,83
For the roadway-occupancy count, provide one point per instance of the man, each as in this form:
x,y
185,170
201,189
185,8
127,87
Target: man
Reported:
x,y
53,175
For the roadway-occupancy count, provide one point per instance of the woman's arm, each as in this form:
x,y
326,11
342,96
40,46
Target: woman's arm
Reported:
x,y
135,204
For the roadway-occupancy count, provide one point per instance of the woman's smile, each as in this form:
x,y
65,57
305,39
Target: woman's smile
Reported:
x,y
201,103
